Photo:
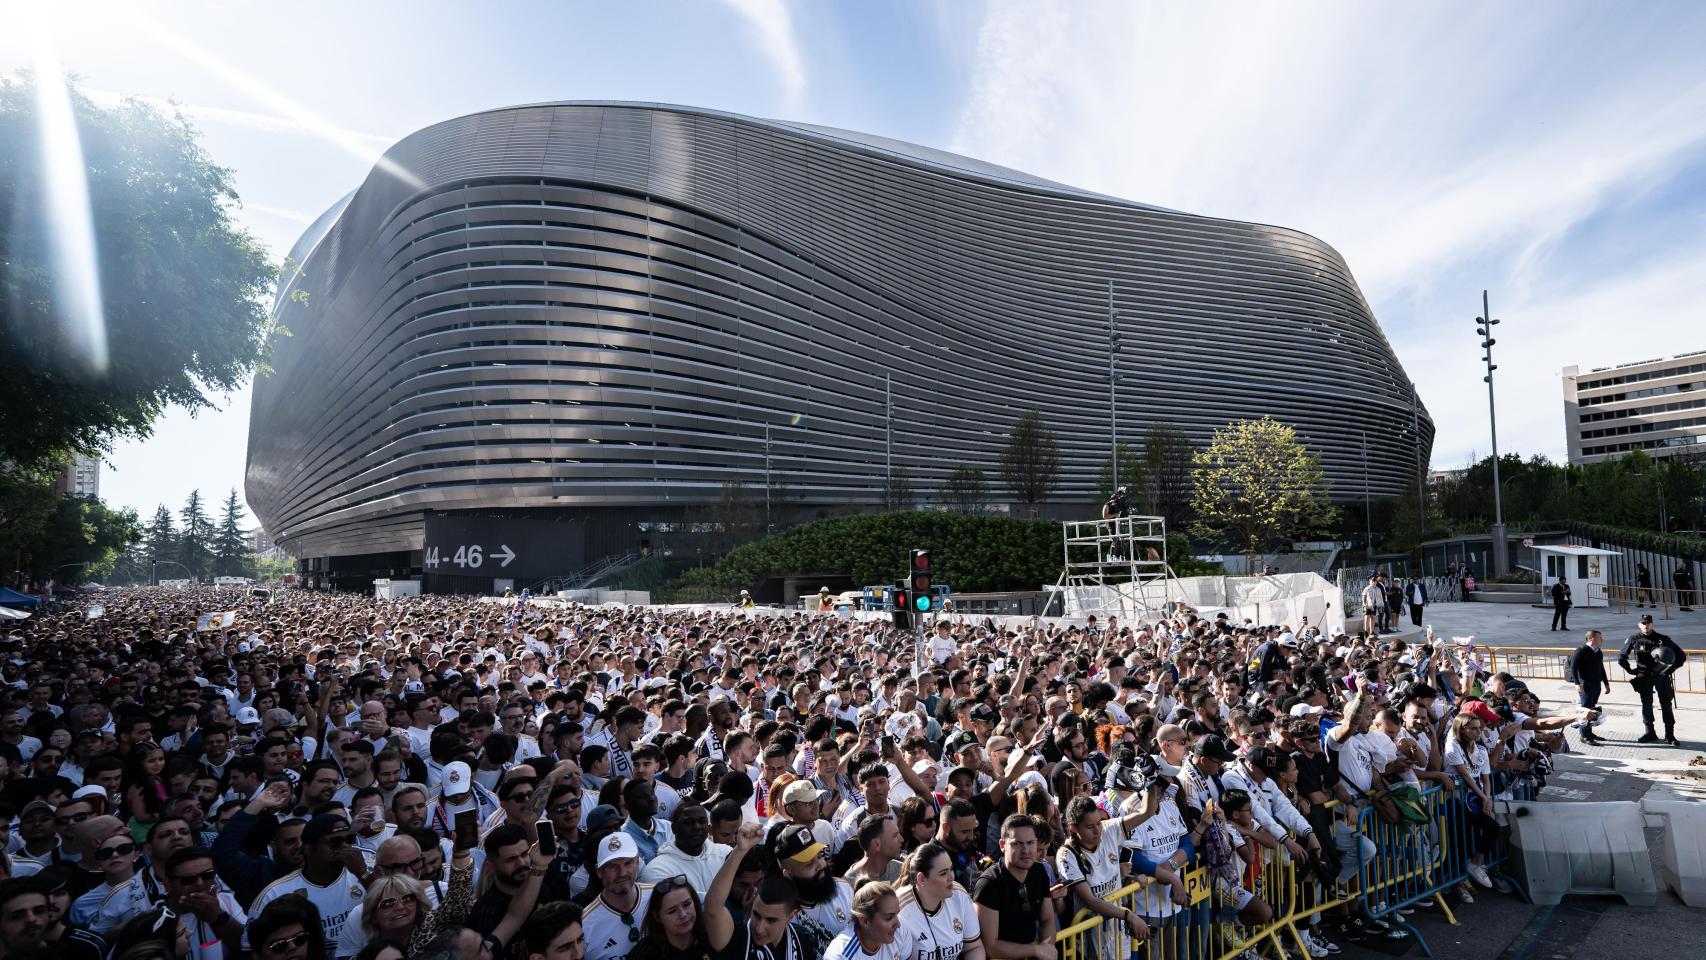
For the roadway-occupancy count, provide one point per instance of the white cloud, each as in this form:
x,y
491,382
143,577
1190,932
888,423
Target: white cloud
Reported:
x,y
771,21
1425,144
205,115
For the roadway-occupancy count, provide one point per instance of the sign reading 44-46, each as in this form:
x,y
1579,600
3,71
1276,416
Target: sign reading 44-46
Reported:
x,y
467,556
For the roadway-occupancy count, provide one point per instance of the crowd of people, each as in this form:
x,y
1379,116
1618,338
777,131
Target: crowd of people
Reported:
x,y
333,776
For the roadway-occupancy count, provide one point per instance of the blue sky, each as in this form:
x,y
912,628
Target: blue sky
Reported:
x,y
1554,153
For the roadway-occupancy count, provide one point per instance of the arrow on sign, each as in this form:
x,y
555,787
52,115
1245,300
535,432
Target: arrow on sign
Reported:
x,y
507,555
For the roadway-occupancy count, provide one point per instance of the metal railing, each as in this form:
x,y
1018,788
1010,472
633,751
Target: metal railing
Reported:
x,y
1553,663
1661,599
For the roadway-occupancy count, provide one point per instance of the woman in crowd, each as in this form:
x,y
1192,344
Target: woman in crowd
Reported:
x,y
937,917
876,920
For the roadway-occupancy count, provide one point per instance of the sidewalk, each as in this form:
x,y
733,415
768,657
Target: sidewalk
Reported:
x,y
1520,625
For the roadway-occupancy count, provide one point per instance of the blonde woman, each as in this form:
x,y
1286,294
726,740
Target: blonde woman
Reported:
x,y
876,920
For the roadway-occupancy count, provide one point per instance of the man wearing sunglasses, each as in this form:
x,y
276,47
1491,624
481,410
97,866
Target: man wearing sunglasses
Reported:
x,y
329,878
122,893
214,917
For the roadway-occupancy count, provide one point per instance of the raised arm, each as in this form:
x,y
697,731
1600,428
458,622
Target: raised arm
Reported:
x,y
719,923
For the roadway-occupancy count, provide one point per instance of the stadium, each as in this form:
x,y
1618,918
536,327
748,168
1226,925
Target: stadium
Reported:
x,y
545,335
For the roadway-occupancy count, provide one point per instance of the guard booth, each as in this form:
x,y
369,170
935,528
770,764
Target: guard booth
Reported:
x,y
1584,568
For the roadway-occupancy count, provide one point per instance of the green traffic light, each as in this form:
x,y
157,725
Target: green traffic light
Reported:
x,y
922,603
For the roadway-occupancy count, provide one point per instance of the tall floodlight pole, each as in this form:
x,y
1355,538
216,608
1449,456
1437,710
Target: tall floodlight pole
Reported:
x,y
1113,394
1421,476
1484,325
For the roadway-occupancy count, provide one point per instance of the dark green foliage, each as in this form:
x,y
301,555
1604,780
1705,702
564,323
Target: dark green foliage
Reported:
x,y
972,554
184,290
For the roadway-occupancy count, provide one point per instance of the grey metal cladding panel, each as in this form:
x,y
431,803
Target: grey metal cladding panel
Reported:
x,y
624,149
571,152
1000,267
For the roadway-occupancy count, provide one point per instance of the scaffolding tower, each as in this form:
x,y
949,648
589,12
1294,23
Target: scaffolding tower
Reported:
x,y
1109,567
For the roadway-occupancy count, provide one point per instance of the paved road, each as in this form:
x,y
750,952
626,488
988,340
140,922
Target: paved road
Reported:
x,y
1521,625
1502,927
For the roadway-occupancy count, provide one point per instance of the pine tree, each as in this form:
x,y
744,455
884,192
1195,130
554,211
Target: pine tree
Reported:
x,y
230,547
160,539
195,542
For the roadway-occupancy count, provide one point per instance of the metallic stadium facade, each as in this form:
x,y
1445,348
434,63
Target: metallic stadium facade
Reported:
x,y
586,319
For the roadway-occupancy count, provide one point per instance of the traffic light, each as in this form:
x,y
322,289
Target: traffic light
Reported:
x,y
918,589
897,602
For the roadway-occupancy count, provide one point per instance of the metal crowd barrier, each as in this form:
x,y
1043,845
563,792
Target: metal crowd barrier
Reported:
x,y
1552,663
1410,862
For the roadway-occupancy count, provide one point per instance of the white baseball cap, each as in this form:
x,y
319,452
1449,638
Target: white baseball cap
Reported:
x,y
458,780
617,846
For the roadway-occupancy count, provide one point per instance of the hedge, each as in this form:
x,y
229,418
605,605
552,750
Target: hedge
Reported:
x,y
971,554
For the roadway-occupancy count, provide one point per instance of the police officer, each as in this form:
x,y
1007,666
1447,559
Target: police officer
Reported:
x,y
1650,657
1561,604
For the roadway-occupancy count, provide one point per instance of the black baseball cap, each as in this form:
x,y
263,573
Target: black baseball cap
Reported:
x,y
1646,618
795,842
1214,748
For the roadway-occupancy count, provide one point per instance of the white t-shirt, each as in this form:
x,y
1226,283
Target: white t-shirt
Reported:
x,y
1157,839
335,901
822,921
605,931
846,946
1356,760
204,943
942,935
1101,866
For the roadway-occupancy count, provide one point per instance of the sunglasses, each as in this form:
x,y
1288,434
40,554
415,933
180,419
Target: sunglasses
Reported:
x,y
338,840
390,903
285,943
206,876
566,807
122,850
410,866
71,818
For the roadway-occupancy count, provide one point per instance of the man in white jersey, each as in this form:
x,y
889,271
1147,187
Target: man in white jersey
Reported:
x,y
612,920
826,901
326,878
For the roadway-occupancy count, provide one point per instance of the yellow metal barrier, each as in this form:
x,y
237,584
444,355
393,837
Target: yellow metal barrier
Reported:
x,y
1660,599
1291,898
1552,663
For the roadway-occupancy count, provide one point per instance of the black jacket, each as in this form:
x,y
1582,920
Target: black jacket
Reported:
x,y
1587,668
1561,594
1652,655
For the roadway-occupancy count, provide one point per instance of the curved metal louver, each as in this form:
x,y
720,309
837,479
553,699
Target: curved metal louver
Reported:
x,y
599,305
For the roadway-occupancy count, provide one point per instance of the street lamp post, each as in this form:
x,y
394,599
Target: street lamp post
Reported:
x,y
1484,325
1367,507
155,569
1113,392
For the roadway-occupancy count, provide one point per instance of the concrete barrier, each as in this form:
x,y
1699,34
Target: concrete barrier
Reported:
x,y
1684,854
1591,848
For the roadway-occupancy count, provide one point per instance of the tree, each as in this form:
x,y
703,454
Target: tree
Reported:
x,y
230,547
738,517
1167,475
183,291
1256,486
195,543
45,533
965,490
897,491
1131,477
160,538
1031,461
